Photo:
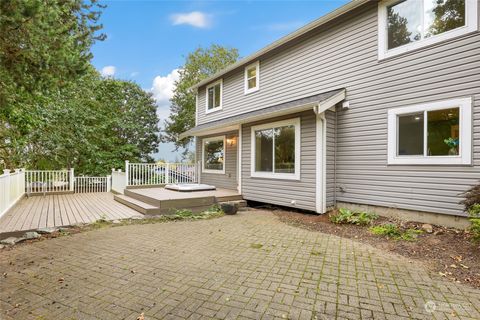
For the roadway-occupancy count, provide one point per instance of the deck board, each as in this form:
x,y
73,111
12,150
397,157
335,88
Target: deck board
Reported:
x,y
63,209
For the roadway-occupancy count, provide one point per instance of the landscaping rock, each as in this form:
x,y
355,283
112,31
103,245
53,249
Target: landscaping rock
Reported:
x,y
229,208
10,241
31,235
116,221
47,230
1,246
428,228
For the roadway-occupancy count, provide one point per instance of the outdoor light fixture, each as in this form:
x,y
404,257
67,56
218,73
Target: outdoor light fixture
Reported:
x,y
231,141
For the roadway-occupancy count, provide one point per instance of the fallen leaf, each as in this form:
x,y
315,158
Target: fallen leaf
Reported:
x,y
61,280
454,266
141,316
132,271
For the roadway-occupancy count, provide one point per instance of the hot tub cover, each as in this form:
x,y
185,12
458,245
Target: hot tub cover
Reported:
x,y
189,187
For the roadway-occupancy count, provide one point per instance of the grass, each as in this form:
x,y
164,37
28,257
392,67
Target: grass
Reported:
x,y
353,217
392,231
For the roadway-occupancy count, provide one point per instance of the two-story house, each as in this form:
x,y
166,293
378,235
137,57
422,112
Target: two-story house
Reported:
x,y
376,103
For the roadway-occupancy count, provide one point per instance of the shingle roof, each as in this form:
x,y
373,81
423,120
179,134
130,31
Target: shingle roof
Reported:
x,y
268,112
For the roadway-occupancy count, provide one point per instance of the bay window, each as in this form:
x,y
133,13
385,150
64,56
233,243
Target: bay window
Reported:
x,y
410,24
432,133
276,150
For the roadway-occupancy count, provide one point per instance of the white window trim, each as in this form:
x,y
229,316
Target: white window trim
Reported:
x,y
465,147
471,24
221,96
257,87
224,154
272,175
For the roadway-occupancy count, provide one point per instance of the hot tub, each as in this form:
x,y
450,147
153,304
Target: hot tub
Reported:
x,y
189,187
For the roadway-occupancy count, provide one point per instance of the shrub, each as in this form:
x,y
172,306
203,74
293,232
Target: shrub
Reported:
x,y
353,217
391,230
472,197
184,213
474,218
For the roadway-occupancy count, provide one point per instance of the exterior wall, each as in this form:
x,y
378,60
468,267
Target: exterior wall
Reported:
x,y
277,191
343,54
229,179
330,158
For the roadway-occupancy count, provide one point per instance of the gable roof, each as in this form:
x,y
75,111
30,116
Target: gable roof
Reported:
x,y
284,40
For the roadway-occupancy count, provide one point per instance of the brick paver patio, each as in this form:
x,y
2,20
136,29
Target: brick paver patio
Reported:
x,y
249,266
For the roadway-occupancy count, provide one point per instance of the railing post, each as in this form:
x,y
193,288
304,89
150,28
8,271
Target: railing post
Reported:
x,y
126,173
72,179
167,173
198,172
109,182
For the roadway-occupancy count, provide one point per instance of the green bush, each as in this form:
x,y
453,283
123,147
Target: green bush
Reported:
x,y
474,218
353,217
391,230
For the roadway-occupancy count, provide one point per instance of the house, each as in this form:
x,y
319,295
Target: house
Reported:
x,y
374,104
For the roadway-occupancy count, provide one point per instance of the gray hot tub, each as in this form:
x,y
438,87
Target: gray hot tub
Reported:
x,y
188,187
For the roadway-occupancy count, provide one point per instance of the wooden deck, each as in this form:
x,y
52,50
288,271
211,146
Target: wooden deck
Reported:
x,y
62,210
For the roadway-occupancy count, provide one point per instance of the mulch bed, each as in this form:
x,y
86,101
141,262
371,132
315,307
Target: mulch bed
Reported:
x,y
449,252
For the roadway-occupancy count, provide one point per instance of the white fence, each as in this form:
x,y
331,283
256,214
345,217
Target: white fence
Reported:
x,y
12,188
142,174
92,184
119,181
48,181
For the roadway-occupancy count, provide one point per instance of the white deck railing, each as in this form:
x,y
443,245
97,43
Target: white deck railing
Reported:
x,y
92,184
48,181
12,188
119,181
143,174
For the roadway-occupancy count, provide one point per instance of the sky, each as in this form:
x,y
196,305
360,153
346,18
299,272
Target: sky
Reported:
x,y
147,41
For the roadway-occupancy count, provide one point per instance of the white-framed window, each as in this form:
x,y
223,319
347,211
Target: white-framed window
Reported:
x,y
214,96
252,77
276,150
437,133
213,155
405,25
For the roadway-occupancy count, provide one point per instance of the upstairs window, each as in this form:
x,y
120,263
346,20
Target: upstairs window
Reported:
x,y
252,77
410,24
434,133
214,96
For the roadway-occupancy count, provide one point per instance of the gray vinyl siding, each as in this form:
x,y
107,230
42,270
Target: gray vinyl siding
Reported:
x,y
277,191
343,54
330,158
229,179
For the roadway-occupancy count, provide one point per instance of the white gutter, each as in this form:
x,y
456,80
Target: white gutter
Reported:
x,y
309,27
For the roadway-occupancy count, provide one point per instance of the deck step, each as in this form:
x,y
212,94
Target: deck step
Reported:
x,y
140,206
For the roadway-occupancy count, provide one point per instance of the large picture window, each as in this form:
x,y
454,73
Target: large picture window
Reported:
x,y
434,133
276,150
409,24
214,155
214,96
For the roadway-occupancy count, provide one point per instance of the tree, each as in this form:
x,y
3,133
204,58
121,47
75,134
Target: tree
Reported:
x,y
44,46
200,64
448,15
94,125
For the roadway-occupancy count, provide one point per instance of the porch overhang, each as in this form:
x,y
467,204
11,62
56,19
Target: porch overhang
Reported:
x,y
319,103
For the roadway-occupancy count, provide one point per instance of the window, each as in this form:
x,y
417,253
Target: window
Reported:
x,y
276,150
252,77
410,24
214,96
214,155
432,133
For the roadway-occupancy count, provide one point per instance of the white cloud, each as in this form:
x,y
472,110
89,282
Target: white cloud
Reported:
x,y
108,71
162,90
195,18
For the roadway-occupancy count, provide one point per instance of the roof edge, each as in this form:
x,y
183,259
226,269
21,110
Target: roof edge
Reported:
x,y
284,40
